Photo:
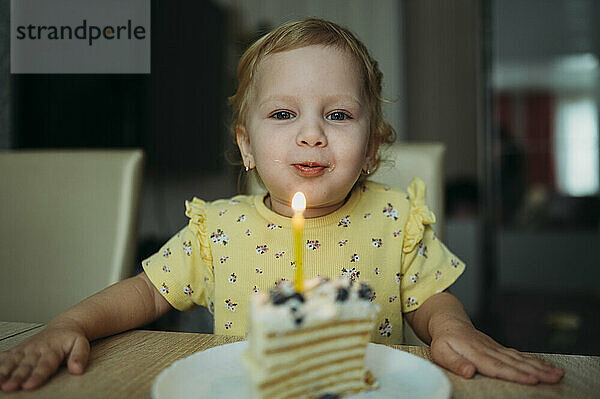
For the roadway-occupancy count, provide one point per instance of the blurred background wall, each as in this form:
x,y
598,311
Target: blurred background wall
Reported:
x,y
544,91
511,87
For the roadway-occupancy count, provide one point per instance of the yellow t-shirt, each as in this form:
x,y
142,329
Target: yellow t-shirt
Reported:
x,y
232,248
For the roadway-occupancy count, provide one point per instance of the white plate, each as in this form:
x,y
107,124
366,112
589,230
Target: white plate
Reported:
x,y
218,373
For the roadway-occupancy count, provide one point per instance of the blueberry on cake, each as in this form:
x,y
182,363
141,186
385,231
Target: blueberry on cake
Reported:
x,y
310,344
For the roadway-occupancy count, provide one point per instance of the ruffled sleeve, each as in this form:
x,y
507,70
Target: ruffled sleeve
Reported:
x,y
179,273
428,267
419,215
182,269
196,211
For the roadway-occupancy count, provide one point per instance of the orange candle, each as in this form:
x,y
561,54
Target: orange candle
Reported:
x,y
298,205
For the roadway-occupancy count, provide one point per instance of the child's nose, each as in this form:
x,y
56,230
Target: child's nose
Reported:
x,y
312,135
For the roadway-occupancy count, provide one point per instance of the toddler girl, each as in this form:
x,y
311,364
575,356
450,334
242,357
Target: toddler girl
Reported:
x,y
307,117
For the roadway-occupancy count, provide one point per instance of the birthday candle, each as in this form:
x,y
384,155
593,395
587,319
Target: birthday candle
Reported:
x,y
298,205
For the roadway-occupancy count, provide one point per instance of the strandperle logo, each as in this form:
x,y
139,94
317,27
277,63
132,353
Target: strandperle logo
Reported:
x,y
80,36
84,31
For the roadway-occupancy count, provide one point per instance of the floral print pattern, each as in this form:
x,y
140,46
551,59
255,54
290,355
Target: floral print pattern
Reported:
x,y
262,249
164,289
229,305
312,244
391,212
385,328
410,301
187,248
353,274
219,237
422,249
344,222
246,227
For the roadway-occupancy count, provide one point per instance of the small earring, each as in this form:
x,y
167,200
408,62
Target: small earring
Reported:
x,y
367,172
247,169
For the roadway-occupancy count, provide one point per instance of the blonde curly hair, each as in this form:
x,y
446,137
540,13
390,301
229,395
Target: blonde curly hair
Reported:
x,y
308,32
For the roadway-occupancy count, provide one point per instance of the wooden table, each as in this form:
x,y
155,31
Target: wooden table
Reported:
x,y
125,365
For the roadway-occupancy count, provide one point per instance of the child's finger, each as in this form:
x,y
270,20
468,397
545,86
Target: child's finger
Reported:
x,y
526,366
536,362
446,357
10,362
498,368
19,374
547,372
47,365
79,355
539,363
7,364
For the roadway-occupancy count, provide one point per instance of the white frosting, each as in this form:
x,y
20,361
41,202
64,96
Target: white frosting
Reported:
x,y
319,306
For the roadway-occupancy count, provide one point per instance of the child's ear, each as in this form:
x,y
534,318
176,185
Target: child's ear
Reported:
x,y
371,154
243,142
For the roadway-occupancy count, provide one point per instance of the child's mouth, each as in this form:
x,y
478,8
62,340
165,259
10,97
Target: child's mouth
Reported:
x,y
310,169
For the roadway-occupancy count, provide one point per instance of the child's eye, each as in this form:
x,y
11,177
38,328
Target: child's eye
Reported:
x,y
338,116
281,115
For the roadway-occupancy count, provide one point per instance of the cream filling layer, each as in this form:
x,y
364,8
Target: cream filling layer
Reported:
x,y
262,342
293,367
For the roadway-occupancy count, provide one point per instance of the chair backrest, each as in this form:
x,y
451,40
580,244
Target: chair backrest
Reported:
x,y
67,227
400,163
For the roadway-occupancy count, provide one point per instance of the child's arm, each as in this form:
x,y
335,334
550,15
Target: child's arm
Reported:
x,y
127,304
458,346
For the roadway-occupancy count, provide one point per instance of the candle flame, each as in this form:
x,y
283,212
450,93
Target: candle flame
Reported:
x,y
299,202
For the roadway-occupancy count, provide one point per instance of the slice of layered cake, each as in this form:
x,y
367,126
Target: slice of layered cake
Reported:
x,y
310,344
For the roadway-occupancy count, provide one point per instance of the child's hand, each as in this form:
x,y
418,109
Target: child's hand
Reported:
x,y
31,363
462,349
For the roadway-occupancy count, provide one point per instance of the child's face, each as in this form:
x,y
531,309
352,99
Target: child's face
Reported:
x,y
308,127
